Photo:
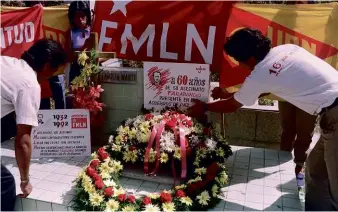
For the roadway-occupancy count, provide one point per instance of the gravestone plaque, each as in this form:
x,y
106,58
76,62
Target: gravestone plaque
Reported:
x,y
117,75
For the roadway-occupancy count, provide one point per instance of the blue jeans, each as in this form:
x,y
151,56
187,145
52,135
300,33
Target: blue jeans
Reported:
x,y
57,86
8,191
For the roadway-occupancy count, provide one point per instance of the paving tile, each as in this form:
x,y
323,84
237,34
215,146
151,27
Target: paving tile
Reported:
x,y
242,159
273,176
257,167
59,207
254,189
272,208
148,184
269,163
36,193
67,179
164,186
48,196
287,177
236,195
259,161
255,181
258,198
292,185
290,209
244,152
240,172
39,174
272,183
291,203
271,169
43,206
257,155
220,206
147,189
241,187
123,179
292,194
29,204
134,182
253,173
131,187
238,179
253,206
232,205
62,199
54,177
272,200
272,191
240,165
18,204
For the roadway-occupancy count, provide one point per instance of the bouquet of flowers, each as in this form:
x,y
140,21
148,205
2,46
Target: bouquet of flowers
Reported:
x,y
154,140
86,93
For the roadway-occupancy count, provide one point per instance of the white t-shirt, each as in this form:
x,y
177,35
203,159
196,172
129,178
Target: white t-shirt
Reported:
x,y
295,75
20,91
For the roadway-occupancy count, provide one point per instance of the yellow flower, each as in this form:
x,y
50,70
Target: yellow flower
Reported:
x,y
120,130
186,200
87,70
180,187
168,207
129,208
104,167
118,139
95,199
116,148
201,152
116,166
132,133
194,180
223,178
203,198
152,155
119,191
197,162
151,208
144,126
177,153
130,156
200,171
154,196
143,137
94,155
220,152
214,190
112,205
164,157
82,58
198,128
105,175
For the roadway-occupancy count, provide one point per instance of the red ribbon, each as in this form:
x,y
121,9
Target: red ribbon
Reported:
x,y
183,152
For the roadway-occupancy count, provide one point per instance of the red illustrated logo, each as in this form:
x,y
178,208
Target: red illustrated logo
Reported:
x,y
79,122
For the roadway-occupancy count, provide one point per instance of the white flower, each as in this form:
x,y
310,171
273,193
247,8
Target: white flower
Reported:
x,y
194,180
203,198
143,137
105,175
115,147
130,121
195,140
95,199
121,130
186,200
116,166
211,144
168,207
167,142
112,205
109,183
200,171
151,208
111,139
214,190
128,208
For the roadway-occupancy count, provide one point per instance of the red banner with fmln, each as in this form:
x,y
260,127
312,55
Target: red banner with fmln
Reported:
x,y
20,29
173,31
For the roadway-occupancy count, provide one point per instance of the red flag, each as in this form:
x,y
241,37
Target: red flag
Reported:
x,y
175,31
20,29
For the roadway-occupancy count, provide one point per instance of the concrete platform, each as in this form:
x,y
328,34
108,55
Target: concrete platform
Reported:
x,y
261,179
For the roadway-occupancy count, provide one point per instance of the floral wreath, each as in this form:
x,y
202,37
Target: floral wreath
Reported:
x,y
198,150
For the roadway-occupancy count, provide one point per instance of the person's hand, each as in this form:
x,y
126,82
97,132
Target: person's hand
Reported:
x,y
219,93
26,189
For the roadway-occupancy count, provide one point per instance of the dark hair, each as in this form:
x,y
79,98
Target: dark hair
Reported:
x,y
79,6
246,43
43,52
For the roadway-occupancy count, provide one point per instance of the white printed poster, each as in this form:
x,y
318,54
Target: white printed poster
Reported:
x,y
61,133
170,84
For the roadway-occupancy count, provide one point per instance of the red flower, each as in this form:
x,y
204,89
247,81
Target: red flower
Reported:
x,y
109,192
189,123
102,154
94,163
132,148
191,189
165,197
99,184
146,201
131,199
148,116
207,131
90,171
180,193
212,171
172,123
199,184
122,197
96,177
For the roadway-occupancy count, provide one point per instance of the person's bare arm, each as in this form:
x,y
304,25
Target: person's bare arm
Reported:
x,y
23,150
